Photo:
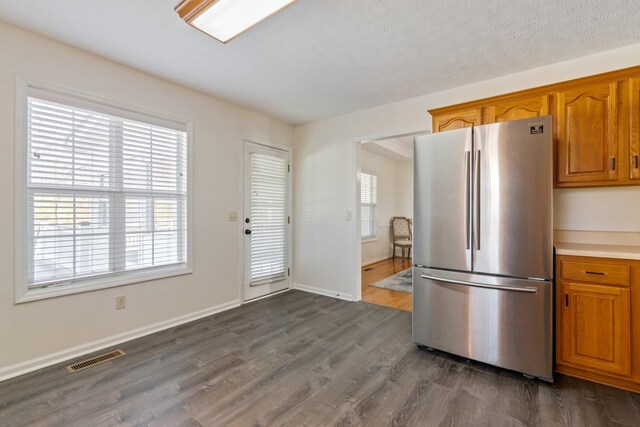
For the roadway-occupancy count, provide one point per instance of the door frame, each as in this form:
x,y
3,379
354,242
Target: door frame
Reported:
x,y
356,172
241,214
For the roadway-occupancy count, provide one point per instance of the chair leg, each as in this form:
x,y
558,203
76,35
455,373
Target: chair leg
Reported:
x,y
393,254
409,253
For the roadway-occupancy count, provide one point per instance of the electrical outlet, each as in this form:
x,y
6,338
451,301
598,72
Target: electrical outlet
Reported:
x,y
121,302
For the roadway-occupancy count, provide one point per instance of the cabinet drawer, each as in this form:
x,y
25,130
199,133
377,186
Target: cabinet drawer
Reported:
x,y
596,273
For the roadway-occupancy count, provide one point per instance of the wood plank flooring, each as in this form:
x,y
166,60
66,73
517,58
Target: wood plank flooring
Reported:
x,y
299,359
386,297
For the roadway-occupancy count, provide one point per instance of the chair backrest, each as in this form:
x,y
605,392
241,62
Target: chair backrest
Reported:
x,y
401,228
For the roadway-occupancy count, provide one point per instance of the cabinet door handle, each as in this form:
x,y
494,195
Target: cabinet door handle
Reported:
x,y
613,163
566,300
598,273
635,159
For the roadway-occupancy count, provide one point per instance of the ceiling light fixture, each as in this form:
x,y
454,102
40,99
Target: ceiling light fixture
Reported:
x,y
227,19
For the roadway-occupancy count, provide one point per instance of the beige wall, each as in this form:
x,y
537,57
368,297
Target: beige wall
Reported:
x,y
329,262
37,329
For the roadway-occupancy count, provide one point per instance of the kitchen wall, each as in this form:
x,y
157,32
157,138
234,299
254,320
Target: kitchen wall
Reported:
x,y
33,333
325,243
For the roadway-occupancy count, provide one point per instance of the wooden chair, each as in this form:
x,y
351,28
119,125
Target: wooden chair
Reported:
x,y
401,231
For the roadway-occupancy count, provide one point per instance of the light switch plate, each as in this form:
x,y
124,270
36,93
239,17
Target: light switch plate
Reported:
x,y
348,215
233,216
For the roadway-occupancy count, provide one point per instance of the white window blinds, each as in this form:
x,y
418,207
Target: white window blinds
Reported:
x,y
368,200
105,194
268,218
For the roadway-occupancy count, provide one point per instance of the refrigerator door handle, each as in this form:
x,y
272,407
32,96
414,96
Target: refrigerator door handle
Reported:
x,y
467,198
526,289
477,200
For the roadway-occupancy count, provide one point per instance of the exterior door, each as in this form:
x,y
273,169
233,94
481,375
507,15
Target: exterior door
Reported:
x,y
442,198
266,220
512,209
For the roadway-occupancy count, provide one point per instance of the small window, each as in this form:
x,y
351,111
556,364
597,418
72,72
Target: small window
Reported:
x,y
368,199
106,194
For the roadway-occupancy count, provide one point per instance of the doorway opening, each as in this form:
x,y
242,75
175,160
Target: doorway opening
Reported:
x,y
385,195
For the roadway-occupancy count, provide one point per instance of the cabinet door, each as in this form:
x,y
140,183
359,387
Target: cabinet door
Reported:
x,y
596,327
587,133
634,148
457,120
524,108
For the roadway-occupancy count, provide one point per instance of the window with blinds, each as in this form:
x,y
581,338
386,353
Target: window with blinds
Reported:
x,y
268,203
106,194
368,200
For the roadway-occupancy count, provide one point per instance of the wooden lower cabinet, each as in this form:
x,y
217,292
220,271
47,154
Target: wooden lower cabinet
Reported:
x,y
595,318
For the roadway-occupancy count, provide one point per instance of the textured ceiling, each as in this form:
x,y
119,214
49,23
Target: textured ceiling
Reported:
x,y
321,58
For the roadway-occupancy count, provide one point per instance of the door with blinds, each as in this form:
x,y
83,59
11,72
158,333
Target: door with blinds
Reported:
x,y
266,220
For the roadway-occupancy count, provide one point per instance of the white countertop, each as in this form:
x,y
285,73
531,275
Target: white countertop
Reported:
x,y
598,250
600,244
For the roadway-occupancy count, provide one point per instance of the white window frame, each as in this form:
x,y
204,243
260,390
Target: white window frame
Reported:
x,y
22,293
374,236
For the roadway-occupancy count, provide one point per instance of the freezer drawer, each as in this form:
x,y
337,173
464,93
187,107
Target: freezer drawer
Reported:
x,y
501,321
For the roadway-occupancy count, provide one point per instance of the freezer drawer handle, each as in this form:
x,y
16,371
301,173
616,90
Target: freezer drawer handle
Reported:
x,y
526,289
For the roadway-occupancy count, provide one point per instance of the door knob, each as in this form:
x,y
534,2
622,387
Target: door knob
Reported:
x,y
247,231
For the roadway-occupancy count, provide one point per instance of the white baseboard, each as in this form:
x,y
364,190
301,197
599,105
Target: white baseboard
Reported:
x,y
366,263
64,355
324,292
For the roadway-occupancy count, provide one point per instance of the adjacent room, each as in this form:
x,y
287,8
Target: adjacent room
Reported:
x,y
319,213
386,207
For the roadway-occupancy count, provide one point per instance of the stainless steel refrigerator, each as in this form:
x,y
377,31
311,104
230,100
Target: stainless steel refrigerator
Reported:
x,y
483,245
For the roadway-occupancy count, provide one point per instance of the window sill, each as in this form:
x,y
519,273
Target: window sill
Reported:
x,y
369,240
96,283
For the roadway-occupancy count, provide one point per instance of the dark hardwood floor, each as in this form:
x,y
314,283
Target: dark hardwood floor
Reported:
x,y
381,270
301,359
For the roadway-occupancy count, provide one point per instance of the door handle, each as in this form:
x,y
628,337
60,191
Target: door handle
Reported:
x,y
247,231
526,289
477,197
467,198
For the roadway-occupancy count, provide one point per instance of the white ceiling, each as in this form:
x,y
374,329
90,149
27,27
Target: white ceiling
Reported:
x,y
321,58
396,149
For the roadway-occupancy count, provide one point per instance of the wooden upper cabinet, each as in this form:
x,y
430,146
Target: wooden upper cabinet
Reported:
x,y
596,125
587,133
634,137
521,108
596,327
457,120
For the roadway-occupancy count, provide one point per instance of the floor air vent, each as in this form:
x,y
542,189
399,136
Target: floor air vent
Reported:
x,y
95,360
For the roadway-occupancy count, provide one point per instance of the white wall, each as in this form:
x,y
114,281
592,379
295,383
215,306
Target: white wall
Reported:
x,y
380,248
325,149
39,328
404,188
395,198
